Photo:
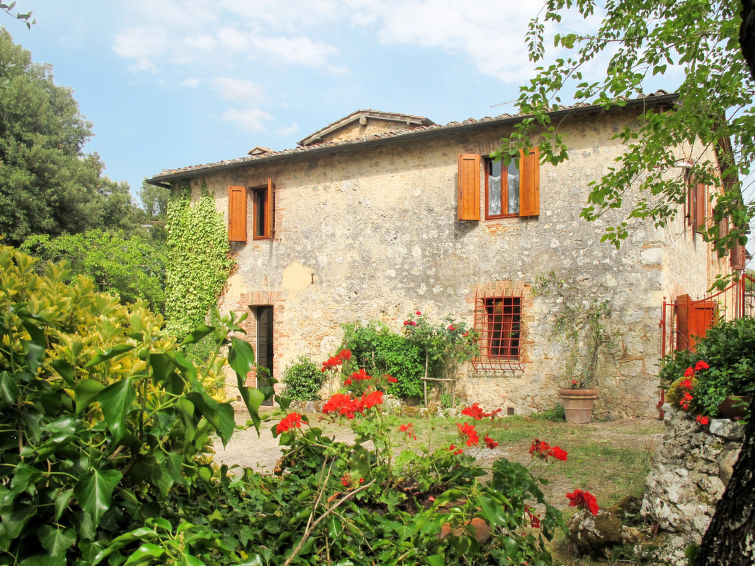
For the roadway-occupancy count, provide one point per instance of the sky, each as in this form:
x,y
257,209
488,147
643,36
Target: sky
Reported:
x,y
172,83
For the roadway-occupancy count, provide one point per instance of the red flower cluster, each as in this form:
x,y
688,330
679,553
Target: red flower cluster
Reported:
x,y
343,404
476,412
701,365
455,451
684,401
489,442
292,420
702,420
451,327
470,432
584,499
409,430
390,379
418,313
335,361
689,372
534,519
360,375
410,323
346,480
542,449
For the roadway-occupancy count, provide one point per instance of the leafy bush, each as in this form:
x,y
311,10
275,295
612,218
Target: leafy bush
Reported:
x,y
729,350
132,266
302,380
379,351
103,423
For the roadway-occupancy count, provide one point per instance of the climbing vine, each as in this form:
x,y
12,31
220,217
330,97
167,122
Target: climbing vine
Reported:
x,y
198,260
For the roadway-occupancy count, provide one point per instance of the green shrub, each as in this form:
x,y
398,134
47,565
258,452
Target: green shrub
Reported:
x,y
729,350
302,380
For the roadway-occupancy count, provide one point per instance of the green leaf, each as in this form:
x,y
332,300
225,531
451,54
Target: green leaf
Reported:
x,y
8,388
64,369
435,560
43,560
197,334
15,520
86,392
189,560
61,502
94,491
116,350
145,551
56,541
24,476
116,400
241,359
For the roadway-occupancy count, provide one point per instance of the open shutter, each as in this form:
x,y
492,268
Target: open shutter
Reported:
x,y
702,316
529,182
237,214
270,203
469,187
682,322
699,211
738,257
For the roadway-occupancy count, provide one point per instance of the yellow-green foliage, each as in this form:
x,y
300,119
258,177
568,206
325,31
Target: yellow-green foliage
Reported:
x,y
675,391
80,321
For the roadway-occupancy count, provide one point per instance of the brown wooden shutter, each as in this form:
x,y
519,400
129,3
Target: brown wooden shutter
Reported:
x,y
529,182
702,316
469,187
738,257
682,322
270,203
700,210
237,214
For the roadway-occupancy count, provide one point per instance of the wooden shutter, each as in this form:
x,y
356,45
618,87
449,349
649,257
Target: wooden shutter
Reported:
x,y
529,182
682,322
469,187
237,214
693,319
270,204
699,211
738,257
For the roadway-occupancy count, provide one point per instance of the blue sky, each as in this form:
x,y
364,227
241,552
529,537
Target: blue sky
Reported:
x,y
171,83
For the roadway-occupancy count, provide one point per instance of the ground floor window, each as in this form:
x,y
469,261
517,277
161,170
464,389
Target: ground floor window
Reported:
x,y
498,323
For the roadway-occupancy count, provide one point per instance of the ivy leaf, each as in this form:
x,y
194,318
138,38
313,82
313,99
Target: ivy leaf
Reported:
x,y
197,334
111,353
56,541
8,388
94,492
145,551
116,400
61,502
44,560
86,392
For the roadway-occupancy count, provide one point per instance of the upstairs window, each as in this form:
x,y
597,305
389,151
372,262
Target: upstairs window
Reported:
x,y
263,211
263,207
510,191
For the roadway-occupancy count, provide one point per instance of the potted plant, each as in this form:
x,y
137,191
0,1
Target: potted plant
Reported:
x,y
581,323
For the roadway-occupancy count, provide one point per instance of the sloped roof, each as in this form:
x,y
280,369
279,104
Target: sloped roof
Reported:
x,y
419,131
362,116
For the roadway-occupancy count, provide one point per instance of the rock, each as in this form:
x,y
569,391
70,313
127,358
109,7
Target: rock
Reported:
x,y
726,464
595,534
727,429
391,404
631,535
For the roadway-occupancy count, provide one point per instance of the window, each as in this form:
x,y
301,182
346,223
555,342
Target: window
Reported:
x,y
696,203
263,207
510,191
498,323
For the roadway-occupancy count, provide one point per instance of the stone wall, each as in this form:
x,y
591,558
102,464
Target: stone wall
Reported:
x,y
691,468
371,233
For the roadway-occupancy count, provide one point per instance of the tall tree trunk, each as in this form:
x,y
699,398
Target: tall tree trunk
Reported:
x,y
747,34
730,538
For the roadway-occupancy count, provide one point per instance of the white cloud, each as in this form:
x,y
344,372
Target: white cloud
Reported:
x,y
294,50
190,82
238,90
141,45
288,130
250,119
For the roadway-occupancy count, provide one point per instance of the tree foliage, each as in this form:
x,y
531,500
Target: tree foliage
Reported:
x,y
636,41
48,185
129,265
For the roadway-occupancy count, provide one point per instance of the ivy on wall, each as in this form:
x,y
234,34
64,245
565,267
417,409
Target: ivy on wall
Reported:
x,y
198,259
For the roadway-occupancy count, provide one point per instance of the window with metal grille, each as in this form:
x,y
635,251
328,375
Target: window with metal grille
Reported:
x,y
498,322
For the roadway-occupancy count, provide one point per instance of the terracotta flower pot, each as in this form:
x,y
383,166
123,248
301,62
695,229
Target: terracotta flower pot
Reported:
x,y
734,407
578,404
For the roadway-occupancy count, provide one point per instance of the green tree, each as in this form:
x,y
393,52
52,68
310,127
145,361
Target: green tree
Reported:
x,y
154,201
48,185
130,265
637,40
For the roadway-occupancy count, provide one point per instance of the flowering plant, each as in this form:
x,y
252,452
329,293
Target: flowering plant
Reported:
x,y
584,500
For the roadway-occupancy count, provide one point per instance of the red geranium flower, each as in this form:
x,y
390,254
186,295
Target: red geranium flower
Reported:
x,y
292,420
689,372
534,519
369,400
347,381
542,449
360,375
687,383
346,479
390,379
470,432
701,365
702,420
474,411
489,442
342,404
418,313
345,355
332,362
409,430
451,327
584,499
495,412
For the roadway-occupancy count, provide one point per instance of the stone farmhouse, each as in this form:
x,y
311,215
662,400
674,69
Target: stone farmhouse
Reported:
x,y
381,214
